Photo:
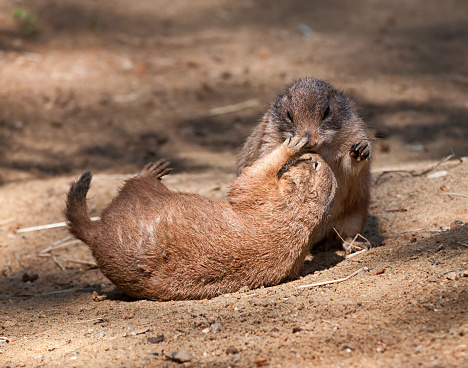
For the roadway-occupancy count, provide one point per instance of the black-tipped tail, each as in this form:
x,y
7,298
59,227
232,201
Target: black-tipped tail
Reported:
x,y
76,211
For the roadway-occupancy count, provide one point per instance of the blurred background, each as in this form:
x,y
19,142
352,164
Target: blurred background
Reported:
x,y
110,85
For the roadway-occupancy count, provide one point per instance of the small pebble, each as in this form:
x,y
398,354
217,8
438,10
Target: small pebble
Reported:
x,y
451,276
216,327
456,224
155,340
180,356
98,298
102,334
439,248
437,174
232,350
380,349
262,362
140,331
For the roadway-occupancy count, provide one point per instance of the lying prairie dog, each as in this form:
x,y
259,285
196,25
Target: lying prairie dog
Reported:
x,y
336,132
158,244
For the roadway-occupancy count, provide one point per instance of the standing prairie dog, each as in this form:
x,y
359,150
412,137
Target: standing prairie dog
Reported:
x,y
337,134
157,244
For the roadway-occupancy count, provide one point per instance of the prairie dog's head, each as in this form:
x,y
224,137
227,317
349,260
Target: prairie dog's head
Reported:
x,y
307,183
314,108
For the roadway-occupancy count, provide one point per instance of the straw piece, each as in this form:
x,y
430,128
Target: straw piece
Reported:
x,y
48,226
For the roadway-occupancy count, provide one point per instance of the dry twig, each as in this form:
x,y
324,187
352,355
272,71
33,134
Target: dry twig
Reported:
x,y
68,240
415,174
91,263
57,262
457,194
18,259
7,221
334,281
233,108
65,291
432,230
355,254
59,244
48,226
91,320
21,296
352,243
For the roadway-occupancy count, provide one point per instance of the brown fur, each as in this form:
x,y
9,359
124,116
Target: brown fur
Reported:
x,y
158,244
315,108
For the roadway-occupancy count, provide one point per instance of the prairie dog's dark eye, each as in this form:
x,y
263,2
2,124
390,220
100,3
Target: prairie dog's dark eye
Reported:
x,y
326,113
289,116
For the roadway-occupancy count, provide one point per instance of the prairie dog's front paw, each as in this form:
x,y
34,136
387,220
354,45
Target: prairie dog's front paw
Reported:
x,y
296,143
360,151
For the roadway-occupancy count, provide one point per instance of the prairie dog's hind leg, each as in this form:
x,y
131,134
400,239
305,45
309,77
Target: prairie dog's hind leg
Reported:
x,y
156,169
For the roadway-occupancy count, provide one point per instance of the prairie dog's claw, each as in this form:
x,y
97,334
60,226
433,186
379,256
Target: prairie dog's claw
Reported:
x,y
296,142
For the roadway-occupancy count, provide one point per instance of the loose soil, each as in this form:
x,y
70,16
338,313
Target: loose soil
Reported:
x,y
108,85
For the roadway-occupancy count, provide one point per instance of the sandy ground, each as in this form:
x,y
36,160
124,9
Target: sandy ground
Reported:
x,y
108,86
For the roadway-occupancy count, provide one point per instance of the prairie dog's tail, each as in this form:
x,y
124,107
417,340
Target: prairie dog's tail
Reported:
x,y
76,211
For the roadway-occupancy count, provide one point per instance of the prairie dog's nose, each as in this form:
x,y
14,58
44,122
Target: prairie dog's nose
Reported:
x,y
312,143
312,139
